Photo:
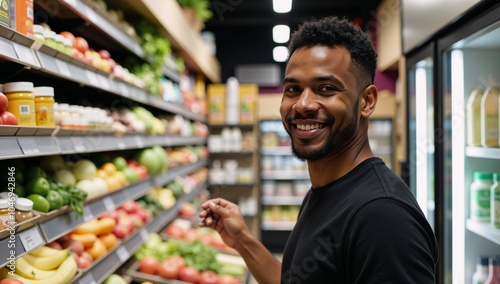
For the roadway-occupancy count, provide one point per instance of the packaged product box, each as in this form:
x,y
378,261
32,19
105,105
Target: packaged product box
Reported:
x,y
217,103
248,98
4,13
21,16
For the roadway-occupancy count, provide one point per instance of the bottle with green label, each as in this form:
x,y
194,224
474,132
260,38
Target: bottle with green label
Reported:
x,y
480,190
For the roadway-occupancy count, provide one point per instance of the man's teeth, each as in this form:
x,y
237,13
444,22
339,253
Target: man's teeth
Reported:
x,y
308,126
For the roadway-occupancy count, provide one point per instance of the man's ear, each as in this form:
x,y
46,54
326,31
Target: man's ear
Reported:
x,y
369,97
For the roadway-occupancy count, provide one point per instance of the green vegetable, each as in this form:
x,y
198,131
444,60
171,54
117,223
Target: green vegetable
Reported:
x,y
38,185
55,200
66,196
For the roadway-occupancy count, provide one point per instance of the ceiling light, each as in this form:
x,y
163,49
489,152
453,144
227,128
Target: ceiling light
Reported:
x,y
282,6
280,53
281,33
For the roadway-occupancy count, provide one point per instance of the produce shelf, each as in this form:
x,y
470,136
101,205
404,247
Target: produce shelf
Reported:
x,y
113,260
48,230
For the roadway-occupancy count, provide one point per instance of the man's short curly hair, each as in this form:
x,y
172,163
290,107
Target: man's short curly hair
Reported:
x,y
333,31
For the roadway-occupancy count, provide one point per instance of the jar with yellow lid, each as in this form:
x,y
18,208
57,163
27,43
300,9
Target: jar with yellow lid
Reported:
x,y
23,209
44,106
21,102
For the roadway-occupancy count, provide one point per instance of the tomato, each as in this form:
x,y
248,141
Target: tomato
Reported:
x,y
189,274
81,44
4,102
149,265
208,277
175,231
8,118
191,235
206,238
227,279
1,122
67,34
177,260
168,269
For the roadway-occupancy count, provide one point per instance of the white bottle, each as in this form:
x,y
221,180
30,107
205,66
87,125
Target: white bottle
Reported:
x,y
481,273
489,117
236,139
226,139
480,191
232,101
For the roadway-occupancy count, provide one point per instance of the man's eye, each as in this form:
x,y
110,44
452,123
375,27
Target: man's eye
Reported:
x,y
292,89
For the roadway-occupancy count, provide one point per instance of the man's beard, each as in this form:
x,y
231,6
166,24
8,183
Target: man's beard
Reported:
x,y
336,140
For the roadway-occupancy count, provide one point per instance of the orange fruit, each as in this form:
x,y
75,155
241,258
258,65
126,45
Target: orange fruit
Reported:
x,y
109,168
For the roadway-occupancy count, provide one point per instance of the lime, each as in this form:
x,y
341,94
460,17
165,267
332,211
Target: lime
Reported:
x,y
130,174
40,203
55,200
38,185
120,163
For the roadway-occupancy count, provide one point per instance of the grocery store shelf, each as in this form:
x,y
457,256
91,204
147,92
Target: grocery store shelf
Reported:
x,y
74,142
279,150
59,225
243,125
233,153
484,230
277,226
113,260
282,200
284,175
481,152
175,27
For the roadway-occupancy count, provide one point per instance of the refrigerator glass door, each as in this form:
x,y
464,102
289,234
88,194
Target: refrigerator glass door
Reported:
x,y
421,135
471,64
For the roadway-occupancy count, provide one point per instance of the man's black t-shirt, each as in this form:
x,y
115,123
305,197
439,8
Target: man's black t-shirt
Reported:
x,y
365,227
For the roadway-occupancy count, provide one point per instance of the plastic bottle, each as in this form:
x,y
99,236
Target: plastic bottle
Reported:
x,y
232,101
480,196
236,139
21,102
481,273
473,116
495,201
489,117
44,106
23,209
493,271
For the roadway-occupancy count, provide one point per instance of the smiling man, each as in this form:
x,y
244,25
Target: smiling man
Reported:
x,y
359,222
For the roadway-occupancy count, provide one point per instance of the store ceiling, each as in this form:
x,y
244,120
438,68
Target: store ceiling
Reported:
x,y
243,28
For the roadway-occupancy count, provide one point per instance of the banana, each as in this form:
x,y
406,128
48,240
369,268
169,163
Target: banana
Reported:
x,y
48,262
43,251
62,275
25,269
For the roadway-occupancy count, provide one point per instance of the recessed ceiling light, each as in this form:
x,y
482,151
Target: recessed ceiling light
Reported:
x,y
280,53
282,6
281,33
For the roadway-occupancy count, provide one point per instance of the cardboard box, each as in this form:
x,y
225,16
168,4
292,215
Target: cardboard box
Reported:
x,y
248,98
217,103
5,13
21,16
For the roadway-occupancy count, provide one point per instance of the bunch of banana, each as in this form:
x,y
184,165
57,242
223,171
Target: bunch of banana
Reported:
x,y
43,265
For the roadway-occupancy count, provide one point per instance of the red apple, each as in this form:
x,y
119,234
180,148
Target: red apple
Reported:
x,y
136,220
111,214
144,214
120,231
130,206
81,44
104,54
4,102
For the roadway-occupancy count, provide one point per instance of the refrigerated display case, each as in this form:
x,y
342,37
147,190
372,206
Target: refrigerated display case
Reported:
x,y
470,61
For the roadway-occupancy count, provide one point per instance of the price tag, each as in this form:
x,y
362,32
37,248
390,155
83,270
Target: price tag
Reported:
x,y
108,204
28,146
25,54
92,16
78,144
139,142
92,77
87,214
123,254
144,234
121,145
63,67
31,239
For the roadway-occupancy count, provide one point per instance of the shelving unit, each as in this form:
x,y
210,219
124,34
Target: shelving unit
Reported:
x,y
23,59
240,186
284,182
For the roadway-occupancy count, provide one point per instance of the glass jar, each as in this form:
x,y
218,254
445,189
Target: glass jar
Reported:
x,y
23,209
44,106
21,102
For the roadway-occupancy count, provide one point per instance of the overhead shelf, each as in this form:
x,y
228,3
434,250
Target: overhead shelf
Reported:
x,y
51,229
169,16
482,152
